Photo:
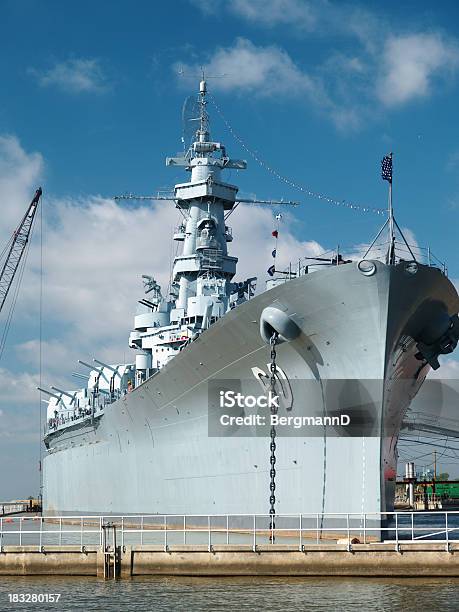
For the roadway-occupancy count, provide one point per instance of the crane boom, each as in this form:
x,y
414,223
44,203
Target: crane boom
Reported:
x,y
19,242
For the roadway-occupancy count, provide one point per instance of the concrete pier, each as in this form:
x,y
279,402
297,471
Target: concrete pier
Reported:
x,y
411,559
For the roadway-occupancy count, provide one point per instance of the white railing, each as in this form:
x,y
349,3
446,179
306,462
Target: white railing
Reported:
x,y
345,254
253,530
81,414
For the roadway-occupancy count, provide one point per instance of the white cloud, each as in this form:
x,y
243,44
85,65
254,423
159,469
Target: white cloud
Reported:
x,y
411,239
74,76
262,70
20,175
268,72
95,252
411,63
348,88
300,15
299,12
18,388
383,67
252,227
449,369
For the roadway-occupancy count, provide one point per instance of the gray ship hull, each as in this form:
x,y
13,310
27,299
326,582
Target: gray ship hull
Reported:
x,y
150,451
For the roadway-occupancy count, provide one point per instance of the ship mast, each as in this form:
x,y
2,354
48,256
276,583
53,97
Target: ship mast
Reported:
x,y
201,287
203,271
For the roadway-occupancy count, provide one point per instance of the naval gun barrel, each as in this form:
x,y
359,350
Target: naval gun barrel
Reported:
x,y
79,375
71,395
50,393
91,367
105,365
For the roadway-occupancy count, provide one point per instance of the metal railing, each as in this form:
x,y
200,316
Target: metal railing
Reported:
x,y
77,416
345,254
246,530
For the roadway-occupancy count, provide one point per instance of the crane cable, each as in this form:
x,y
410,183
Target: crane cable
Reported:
x,y
9,317
287,181
40,358
7,247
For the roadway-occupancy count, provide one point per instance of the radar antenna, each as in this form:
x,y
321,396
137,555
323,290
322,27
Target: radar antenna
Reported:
x,y
196,143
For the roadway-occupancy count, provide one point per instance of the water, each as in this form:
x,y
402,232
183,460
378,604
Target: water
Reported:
x,y
204,594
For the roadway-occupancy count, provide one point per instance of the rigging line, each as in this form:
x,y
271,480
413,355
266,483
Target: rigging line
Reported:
x,y
287,181
439,446
411,448
409,440
433,437
429,454
232,210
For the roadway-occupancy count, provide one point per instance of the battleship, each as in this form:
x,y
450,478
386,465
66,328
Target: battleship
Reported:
x,y
137,439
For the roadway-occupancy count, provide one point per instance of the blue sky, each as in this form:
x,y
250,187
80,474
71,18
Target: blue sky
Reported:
x,y
90,105
112,135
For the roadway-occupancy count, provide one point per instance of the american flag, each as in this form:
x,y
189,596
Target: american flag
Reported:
x,y
386,168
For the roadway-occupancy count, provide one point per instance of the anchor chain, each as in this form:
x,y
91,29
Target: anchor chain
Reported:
x,y
272,445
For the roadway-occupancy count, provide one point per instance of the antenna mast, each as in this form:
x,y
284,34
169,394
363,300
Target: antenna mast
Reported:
x,y
203,116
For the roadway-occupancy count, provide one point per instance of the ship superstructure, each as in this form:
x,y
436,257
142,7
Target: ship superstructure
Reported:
x,y
201,287
146,424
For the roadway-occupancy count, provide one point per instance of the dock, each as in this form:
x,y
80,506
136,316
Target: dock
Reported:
x,y
428,560
232,545
19,507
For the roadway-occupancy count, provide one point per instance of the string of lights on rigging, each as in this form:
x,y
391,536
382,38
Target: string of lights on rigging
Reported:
x,y
287,181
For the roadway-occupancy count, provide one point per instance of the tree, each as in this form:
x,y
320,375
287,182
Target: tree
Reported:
x,y
443,476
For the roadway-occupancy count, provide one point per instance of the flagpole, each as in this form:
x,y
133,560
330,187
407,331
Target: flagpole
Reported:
x,y
391,253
